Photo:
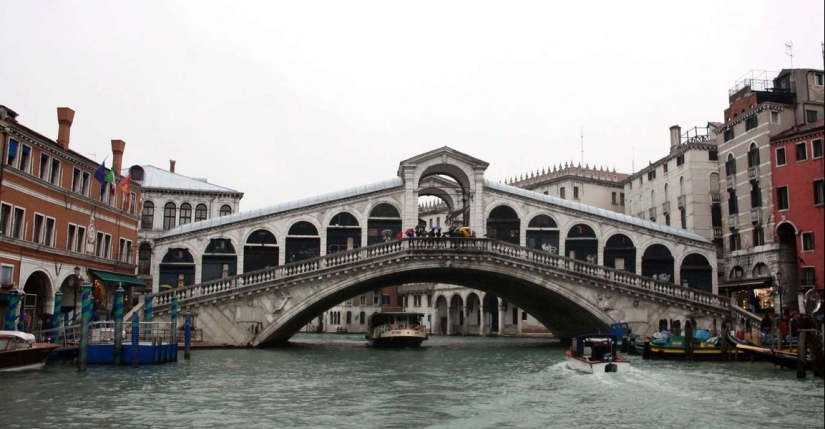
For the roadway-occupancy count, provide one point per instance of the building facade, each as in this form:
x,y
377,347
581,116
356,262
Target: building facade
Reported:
x,y
758,110
170,200
799,193
597,187
60,225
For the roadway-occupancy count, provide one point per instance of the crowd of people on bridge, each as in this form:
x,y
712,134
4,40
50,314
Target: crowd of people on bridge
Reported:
x,y
420,230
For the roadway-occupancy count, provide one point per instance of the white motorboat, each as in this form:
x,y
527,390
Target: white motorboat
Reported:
x,y
596,354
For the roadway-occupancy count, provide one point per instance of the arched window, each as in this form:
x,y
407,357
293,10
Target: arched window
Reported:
x,y
730,165
681,186
169,212
666,193
652,198
147,217
185,214
753,156
144,259
200,212
226,210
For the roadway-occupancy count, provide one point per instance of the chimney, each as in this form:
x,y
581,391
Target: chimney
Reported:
x,y
675,138
171,165
65,116
117,155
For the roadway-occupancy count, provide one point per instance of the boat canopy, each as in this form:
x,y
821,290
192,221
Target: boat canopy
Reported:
x,y
25,336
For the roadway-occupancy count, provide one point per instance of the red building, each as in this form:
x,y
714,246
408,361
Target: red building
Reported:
x,y
799,191
59,225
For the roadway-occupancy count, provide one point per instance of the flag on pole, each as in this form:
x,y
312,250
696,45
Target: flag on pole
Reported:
x,y
100,176
110,181
125,187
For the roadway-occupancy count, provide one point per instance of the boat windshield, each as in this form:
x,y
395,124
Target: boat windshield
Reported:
x,y
399,319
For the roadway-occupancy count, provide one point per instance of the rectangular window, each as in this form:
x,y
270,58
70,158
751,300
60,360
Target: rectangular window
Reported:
x,y
683,214
126,251
811,116
774,117
664,168
6,274
561,192
734,242
801,152
48,238
70,237
782,202
576,192
5,218
77,184
733,203
25,158
819,79
808,276
816,149
750,123
780,156
385,300
756,196
819,192
363,300
641,181
54,174
758,236
807,241
376,295
107,246
132,199
37,231
121,250
651,175
99,250
729,134
613,196
81,239
667,219
45,160
621,198
18,223
84,184
11,159
713,155
680,159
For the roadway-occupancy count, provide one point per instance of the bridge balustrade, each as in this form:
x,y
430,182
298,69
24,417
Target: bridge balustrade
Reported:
x,y
248,282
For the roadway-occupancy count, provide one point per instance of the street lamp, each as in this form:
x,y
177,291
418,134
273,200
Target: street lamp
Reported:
x,y
779,291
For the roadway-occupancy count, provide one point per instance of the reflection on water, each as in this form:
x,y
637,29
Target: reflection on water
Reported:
x,y
329,380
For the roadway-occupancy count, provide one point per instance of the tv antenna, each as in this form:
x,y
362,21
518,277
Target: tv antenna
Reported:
x,y
789,51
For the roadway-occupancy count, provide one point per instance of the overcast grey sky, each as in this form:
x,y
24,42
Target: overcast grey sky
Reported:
x,y
285,100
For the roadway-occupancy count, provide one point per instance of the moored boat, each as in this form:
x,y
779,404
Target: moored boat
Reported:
x,y
785,359
596,354
20,351
397,329
666,346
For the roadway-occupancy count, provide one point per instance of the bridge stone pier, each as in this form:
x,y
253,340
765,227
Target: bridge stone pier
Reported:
x,y
255,278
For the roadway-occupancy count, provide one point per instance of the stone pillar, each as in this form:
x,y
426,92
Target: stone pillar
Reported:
x,y
482,318
477,222
501,315
465,315
518,320
449,320
409,208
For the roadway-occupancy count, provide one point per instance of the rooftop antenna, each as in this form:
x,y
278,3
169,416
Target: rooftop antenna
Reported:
x,y
582,145
789,51
632,159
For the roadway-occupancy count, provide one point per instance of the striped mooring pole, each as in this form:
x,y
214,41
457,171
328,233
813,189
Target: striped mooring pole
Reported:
x,y
148,315
118,310
187,335
174,317
21,303
58,304
135,340
11,313
85,317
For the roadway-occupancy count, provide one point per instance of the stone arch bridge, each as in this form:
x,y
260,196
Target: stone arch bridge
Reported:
x,y
567,295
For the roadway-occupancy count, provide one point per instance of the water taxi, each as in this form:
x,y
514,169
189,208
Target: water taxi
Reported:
x,y
19,351
396,329
596,354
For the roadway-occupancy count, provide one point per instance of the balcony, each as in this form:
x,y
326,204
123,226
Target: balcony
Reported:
x,y
666,207
652,213
717,232
715,197
730,182
733,221
640,215
753,173
680,201
756,215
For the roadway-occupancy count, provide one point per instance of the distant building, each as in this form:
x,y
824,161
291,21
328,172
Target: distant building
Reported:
x,y
60,226
799,207
760,107
170,200
597,187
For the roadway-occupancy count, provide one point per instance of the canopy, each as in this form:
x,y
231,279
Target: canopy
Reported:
x,y
114,279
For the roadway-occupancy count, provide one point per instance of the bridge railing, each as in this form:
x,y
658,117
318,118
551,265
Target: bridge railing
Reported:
x,y
249,281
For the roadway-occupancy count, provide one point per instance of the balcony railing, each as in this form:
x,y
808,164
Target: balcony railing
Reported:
x,y
652,213
730,182
753,173
733,221
715,197
666,207
717,232
680,201
756,215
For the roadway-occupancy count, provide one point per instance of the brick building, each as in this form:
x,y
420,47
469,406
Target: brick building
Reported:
x,y
57,229
799,204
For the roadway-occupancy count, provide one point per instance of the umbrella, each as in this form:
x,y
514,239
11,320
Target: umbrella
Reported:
x,y
386,232
436,228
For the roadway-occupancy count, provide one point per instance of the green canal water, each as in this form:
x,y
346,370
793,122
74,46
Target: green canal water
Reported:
x,y
335,381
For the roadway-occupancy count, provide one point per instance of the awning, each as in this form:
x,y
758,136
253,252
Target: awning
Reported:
x,y
114,279
757,283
